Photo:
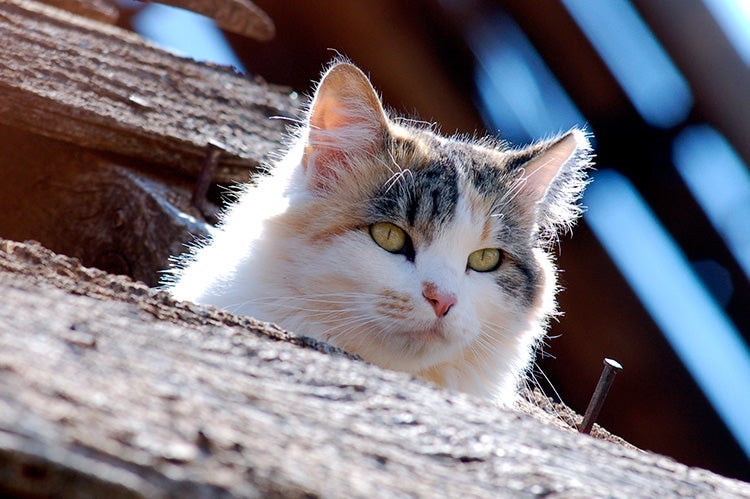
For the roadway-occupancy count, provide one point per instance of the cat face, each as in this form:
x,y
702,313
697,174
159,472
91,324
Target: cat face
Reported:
x,y
415,260
417,252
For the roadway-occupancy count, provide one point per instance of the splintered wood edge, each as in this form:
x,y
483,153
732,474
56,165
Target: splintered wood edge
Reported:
x,y
36,262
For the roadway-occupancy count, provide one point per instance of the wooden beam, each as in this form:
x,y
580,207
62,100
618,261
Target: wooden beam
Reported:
x,y
238,16
108,387
104,88
717,75
105,11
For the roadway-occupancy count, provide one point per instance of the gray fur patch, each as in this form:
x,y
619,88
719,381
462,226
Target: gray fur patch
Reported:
x,y
500,187
521,279
425,198
421,201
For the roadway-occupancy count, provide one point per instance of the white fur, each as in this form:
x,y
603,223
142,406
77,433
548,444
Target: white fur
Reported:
x,y
251,267
341,287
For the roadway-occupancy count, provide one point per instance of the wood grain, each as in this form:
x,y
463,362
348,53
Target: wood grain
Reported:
x,y
108,388
103,88
105,11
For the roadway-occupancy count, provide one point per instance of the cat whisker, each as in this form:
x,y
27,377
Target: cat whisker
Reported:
x,y
358,325
494,329
399,167
348,330
397,175
515,189
533,381
328,298
427,124
317,313
354,328
484,352
395,178
549,382
296,121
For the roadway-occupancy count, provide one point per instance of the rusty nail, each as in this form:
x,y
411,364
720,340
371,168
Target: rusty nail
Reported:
x,y
611,368
210,164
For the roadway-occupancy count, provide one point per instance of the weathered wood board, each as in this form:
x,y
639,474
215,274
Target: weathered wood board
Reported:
x,y
104,134
100,87
110,389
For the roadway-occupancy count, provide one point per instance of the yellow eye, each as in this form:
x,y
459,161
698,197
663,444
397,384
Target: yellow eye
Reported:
x,y
388,236
485,260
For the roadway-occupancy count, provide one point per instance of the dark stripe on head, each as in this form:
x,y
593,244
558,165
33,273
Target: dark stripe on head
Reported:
x,y
488,180
421,201
500,188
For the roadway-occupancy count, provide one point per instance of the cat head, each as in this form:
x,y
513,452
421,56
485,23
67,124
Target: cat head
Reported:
x,y
418,252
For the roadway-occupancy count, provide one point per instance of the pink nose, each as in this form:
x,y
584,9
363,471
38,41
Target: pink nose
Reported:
x,y
441,302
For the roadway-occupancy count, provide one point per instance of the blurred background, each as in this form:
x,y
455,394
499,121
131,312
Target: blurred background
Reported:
x,y
657,274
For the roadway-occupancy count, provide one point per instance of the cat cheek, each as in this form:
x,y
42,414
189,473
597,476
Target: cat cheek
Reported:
x,y
394,305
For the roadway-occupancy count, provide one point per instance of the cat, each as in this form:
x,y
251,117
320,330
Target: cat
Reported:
x,y
419,253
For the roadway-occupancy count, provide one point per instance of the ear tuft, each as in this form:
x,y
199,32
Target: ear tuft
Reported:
x,y
346,119
554,179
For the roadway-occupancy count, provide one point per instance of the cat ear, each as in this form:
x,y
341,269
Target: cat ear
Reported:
x,y
346,120
554,178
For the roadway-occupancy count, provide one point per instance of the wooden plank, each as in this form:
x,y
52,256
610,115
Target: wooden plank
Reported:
x,y
105,11
717,74
104,88
108,388
103,211
238,16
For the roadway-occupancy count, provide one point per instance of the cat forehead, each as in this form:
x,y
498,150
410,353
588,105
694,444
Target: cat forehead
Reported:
x,y
482,163
429,176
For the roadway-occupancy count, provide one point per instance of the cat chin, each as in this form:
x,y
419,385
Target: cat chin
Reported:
x,y
409,362
493,370
413,350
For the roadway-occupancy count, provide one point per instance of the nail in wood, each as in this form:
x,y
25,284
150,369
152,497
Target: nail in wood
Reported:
x,y
611,368
210,164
